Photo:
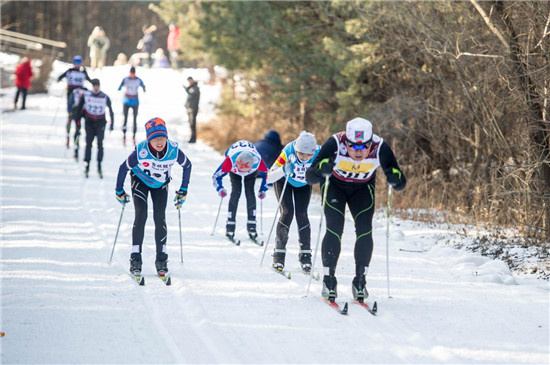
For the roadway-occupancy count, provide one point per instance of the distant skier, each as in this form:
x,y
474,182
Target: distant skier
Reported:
x,y
192,106
92,105
242,162
131,84
350,159
74,100
150,168
292,164
76,76
269,147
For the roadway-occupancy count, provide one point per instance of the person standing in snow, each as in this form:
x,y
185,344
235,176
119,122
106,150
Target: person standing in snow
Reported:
x,y
173,43
23,75
192,106
150,168
291,165
75,79
99,43
350,159
131,84
270,147
242,162
92,105
148,42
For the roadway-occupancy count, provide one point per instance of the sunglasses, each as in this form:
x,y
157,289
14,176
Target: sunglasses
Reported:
x,y
358,146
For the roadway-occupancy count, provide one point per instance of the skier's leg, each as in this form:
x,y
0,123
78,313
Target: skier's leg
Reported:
x,y
140,193
250,194
160,198
283,225
236,187
302,197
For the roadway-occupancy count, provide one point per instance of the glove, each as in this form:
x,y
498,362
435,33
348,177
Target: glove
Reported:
x,y
222,192
179,199
122,197
261,195
325,167
111,127
287,168
396,179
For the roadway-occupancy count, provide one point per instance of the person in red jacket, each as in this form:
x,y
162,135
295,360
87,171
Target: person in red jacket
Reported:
x,y
23,75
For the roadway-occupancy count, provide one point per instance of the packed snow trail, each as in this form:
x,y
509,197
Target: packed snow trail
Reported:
x,y
63,303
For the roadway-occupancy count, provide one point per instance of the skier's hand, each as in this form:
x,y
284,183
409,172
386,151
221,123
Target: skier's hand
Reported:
x,y
112,126
222,192
261,195
396,179
325,167
287,168
179,199
122,197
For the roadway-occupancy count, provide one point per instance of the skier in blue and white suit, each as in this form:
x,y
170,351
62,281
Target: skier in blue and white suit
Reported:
x,y
131,84
150,165
292,164
242,162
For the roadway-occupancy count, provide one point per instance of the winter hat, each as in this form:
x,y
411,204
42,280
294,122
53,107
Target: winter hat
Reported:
x,y
132,70
77,60
244,161
94,81
154,128
305,143
359,131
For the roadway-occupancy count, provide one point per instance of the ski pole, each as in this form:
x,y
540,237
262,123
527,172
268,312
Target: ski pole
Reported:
x,y
217,215
274,219
181,242
262,217
53,120
117,228
324,198
388,239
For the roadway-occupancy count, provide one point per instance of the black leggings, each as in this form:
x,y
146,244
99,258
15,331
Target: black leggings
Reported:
x,y
360,200
236,188
94,128
125,110
23,93
295,202
159,196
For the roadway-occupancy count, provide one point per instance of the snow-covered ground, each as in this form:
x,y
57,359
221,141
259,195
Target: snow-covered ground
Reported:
x,y
63,303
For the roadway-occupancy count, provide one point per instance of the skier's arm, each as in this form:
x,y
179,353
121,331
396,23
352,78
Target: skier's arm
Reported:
x,y
395,177
64,74
121,84
126,166
277,171
111,114
185,163
220,173
325,156
78,108
142,85
87,77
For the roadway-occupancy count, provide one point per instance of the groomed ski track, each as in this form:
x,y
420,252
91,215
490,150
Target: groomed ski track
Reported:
x,y
62,302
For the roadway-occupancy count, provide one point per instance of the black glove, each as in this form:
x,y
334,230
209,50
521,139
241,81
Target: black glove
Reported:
x,y
396,179
122,197
180,197
325,167
111,127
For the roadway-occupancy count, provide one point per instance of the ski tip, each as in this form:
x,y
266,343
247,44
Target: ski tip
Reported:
x,y
289,276
142,281
345,309
169,281
375,308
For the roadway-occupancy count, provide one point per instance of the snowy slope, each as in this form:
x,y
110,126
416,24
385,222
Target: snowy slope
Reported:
x,y
63,303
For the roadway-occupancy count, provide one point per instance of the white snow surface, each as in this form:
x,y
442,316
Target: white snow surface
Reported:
x,y
63,303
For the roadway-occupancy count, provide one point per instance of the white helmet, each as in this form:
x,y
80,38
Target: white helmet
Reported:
x,y
305,143
359,131
244,161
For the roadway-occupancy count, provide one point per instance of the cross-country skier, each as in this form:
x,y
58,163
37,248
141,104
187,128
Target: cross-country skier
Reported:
x,y
291,165
92,105
150,168
131,84
242,162
350,159
74,100
76,76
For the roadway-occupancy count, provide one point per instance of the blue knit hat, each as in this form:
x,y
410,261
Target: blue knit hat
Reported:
x,y
154,128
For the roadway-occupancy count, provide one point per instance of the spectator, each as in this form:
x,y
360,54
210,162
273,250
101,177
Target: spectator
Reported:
x,y
23,75
121,60
192,106
99,44
173,44
270,147
148,41
160,59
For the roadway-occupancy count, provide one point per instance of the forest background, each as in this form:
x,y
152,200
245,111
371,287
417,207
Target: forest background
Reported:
x,y
460,90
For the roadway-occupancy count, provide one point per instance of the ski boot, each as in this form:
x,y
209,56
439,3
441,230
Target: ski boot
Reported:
x,y
135,264
99,171
124,141
76,155
161,263
358,289
329,288
305,260
86,169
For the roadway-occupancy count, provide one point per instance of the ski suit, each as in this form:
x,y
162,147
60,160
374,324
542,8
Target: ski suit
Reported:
x,y
228,166
150,172
295,201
